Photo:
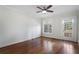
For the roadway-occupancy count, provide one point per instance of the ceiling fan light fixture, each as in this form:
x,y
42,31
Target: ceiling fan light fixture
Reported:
x,y
44,9
44,12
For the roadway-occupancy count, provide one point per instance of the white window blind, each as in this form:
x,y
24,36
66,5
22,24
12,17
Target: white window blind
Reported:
x,y
47,28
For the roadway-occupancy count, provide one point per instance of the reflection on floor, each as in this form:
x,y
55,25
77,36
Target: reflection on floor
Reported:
x,y
42,45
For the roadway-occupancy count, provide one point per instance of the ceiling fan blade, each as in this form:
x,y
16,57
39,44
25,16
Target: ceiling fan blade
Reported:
x,y
44,8
49,11
39,11
49,6
39,8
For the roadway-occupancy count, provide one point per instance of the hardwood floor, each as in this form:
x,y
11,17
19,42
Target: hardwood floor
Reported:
x,y
42,45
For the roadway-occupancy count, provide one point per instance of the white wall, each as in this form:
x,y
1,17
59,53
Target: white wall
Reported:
x,y
57,22
78,28
78,24
17,27
56,30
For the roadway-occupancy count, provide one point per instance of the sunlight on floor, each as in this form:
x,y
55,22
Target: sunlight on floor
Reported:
x,y
68,48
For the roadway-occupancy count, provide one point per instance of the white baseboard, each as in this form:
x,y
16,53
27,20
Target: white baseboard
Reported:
x,y
1,46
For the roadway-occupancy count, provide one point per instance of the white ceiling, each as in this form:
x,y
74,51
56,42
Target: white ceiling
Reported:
x,y
30,10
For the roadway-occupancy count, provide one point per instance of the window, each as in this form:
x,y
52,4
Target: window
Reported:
x,y
48,28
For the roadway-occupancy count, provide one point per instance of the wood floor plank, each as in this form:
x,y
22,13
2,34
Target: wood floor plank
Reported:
x,y
42,45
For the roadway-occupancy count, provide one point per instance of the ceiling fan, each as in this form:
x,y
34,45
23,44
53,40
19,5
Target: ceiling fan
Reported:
x,y
44,9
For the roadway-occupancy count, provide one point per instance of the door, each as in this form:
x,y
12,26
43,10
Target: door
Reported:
x,y
70,28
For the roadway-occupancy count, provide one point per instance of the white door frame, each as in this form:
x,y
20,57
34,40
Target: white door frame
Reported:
x,y
74,29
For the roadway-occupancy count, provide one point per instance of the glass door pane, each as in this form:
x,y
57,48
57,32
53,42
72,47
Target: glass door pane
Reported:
x,y
68,29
